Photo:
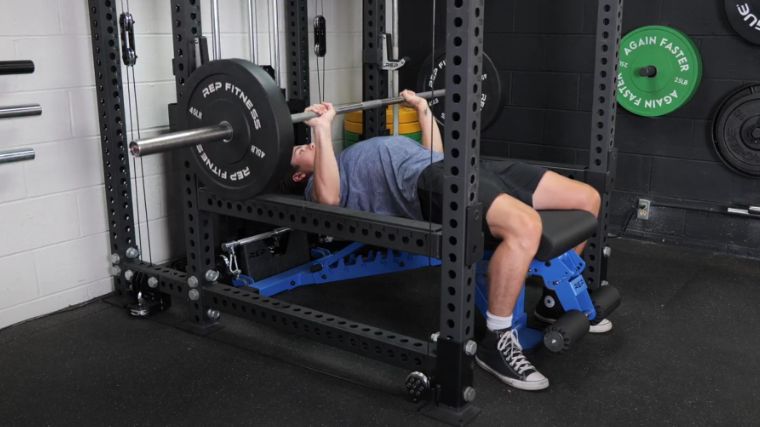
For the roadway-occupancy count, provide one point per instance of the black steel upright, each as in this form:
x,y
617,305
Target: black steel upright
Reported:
x,y
199,230
375,78
298,49
602,155
297,36
464,53
113,136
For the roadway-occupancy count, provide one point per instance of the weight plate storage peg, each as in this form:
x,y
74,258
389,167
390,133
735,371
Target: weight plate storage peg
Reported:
x,y
660,71
736,131
744,16
432,77
245,97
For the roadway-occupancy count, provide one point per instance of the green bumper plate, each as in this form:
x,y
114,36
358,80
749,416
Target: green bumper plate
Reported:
x,y
660,71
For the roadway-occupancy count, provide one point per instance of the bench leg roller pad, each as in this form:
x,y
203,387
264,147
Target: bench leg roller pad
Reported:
x,y
566,331
606,299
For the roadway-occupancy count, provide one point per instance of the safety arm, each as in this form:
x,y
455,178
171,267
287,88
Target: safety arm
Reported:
x,y
326,187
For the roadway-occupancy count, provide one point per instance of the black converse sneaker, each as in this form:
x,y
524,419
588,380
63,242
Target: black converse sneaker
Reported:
x,y
549,309
500,353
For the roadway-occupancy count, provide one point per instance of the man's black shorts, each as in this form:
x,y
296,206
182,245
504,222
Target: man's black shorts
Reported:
x,y
518,180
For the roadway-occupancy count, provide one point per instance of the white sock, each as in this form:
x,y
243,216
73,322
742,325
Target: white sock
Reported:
x,y
497,323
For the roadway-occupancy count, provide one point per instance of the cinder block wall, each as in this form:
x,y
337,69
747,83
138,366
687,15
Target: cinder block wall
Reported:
x,y
543,50
53,227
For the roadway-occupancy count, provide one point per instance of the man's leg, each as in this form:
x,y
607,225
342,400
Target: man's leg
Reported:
x,y
519,228
555,191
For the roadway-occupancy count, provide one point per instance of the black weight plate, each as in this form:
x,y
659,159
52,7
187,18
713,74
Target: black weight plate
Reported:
x,y
736,131
491,101
744,16
245,96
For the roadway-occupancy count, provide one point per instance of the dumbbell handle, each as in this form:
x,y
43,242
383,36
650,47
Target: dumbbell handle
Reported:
x,y
16,67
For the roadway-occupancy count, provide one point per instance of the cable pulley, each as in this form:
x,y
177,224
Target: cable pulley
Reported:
x,y
240,128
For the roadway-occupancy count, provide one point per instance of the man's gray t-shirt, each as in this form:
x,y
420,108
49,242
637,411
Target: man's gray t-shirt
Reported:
x,y
380,175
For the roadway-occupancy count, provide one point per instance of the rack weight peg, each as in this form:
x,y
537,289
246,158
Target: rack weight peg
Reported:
x,y
239,127
16,67
16,155
26,110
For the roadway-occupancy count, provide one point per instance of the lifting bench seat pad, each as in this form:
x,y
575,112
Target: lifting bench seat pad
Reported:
x,y
562,231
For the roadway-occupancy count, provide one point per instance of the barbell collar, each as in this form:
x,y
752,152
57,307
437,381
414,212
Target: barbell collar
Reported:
x,y
20,111
366,105
186,138
10,156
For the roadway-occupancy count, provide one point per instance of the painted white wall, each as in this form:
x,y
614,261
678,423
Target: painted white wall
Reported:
x,y
342,70
53,228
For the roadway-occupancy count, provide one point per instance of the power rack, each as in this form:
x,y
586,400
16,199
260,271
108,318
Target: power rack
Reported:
x,y
458,243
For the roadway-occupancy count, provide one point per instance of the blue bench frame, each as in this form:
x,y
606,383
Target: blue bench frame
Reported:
x,y
563,275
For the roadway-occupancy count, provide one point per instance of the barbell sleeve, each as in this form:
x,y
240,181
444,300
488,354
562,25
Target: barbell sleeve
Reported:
x,y
16,67
224,131
366,105
170,141
17,155
20,111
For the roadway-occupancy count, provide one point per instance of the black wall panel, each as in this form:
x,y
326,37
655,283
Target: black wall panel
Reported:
x,y
547,16
543,50
638,179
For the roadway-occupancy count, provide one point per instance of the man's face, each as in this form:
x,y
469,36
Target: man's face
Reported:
x,y
303,158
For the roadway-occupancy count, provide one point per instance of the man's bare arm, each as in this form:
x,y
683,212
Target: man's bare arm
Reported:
x,y
326,188
326,174
431,135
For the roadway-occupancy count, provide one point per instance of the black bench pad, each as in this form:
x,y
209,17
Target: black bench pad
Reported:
x,y
562,231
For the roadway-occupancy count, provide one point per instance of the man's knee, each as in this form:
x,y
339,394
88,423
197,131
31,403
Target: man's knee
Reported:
x,y
515,223
592,200
529,231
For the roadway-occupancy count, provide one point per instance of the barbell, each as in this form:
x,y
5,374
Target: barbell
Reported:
x,y
239,126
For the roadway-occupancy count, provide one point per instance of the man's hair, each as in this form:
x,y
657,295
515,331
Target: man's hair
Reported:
x,y
288,186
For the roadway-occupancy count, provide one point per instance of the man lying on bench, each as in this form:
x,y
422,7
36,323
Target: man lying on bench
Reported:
x,y
394,175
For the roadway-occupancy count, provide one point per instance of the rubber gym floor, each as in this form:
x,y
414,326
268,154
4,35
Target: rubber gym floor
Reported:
x,y
683,352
